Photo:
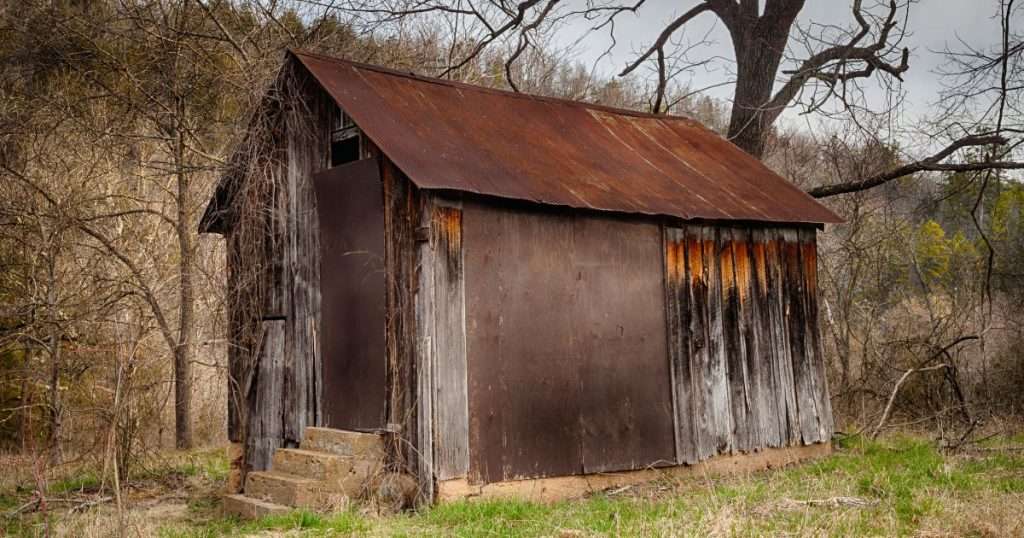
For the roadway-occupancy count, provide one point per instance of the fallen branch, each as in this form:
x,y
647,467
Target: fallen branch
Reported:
x,y
27,507
34,504
995,449
836,502
896,390
89,504
619,490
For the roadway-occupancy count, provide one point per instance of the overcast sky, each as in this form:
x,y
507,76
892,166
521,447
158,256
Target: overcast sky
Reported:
x,y
933,25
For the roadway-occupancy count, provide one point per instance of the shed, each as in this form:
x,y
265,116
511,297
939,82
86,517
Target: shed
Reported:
x,y
510,288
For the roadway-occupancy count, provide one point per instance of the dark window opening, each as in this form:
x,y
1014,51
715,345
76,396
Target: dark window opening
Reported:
x,y
345,139
344,151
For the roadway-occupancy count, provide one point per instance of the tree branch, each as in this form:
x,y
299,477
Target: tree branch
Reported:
x,y
829,64
665,35
932,163
512,23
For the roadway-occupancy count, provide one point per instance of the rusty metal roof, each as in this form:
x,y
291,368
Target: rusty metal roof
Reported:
x,y
448,135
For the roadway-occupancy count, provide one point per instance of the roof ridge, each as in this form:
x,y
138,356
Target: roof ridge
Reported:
x,y
507,93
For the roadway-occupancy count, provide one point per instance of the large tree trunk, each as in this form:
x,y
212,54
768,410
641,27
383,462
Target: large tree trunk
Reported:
x,y
183,351
758,43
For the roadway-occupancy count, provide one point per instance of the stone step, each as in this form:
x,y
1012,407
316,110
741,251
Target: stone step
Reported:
x,y
344,443
285,489
250,508
313,464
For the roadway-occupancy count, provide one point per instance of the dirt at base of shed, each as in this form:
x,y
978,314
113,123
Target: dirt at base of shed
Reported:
x,y
575,486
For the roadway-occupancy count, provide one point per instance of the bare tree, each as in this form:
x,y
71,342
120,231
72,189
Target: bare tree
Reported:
x,y
770,76
761,37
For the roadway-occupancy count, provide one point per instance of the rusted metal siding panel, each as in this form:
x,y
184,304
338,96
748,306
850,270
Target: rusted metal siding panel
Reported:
x,y
524,373
452,136
351,215
619,336
566,344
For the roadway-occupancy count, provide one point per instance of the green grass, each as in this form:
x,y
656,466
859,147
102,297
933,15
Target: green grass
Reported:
x,y
84,482
903,485
210,465
343,523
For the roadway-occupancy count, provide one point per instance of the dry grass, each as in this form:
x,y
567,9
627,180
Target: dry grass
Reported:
x,y
78,499
901,486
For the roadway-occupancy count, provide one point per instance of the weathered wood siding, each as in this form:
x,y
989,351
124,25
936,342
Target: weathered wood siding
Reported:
x,y
556,342
274,277
402,262
744,343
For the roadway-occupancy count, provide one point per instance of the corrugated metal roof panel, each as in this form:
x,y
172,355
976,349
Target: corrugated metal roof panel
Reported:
x,y
447,135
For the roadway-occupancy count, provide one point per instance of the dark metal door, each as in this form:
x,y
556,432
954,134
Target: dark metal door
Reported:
x,y
350,206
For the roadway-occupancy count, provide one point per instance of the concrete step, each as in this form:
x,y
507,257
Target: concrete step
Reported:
x,y
344,443
285,489
354,479
250,508
313,464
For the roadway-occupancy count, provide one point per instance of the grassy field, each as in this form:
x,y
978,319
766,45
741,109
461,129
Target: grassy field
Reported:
x,y
899,486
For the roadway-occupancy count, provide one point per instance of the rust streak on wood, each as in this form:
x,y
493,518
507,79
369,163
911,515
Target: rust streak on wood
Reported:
x,y
448,338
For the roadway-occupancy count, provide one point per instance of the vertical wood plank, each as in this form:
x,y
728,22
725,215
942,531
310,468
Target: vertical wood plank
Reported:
x,y
716,375
451,407
424,308
809,258
750,338
402,215
734,344
265,427
678,313
264,379
779,332
697,333
305,131
796,317
768,400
